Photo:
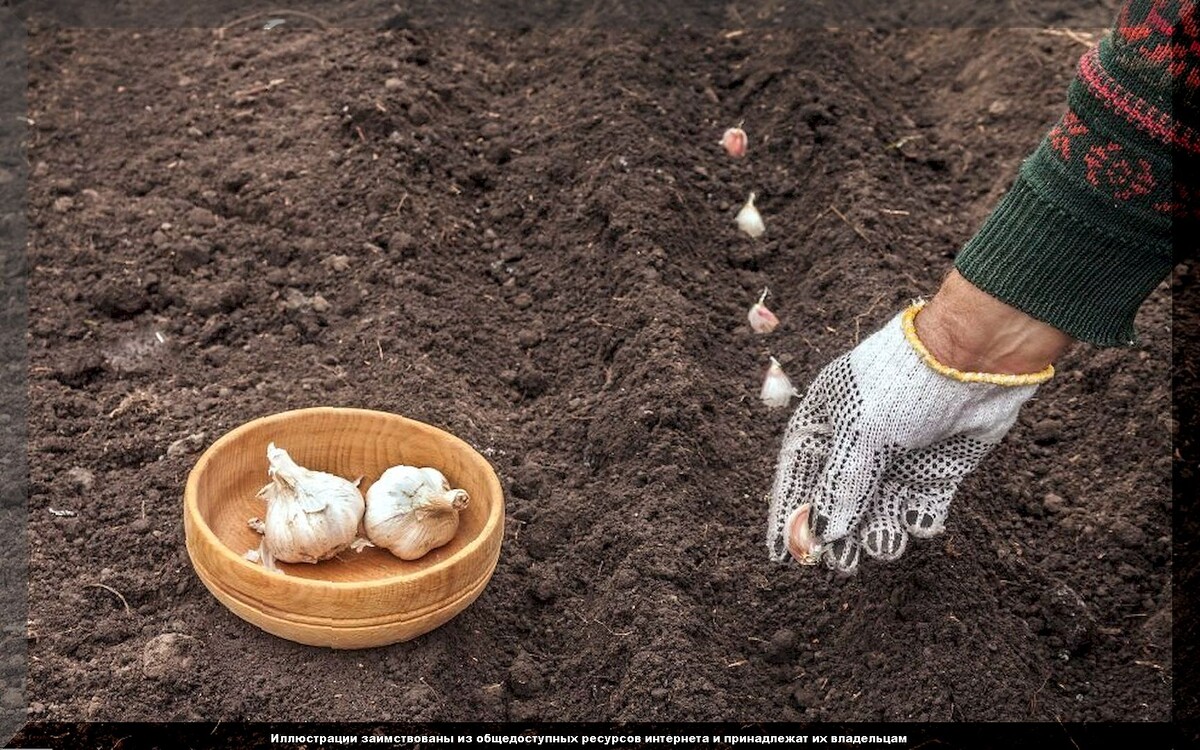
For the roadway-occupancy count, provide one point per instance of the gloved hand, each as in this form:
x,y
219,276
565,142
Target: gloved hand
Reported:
x,y
882,440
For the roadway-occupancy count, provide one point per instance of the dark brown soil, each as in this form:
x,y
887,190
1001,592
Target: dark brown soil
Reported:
x,y
527,238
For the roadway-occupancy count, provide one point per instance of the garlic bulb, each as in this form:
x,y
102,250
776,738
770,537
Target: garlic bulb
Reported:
x,y
761,319
734,141
412,510
777,390
749,220
311,515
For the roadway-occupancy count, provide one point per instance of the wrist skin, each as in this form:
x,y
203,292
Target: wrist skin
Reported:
x,y
970,330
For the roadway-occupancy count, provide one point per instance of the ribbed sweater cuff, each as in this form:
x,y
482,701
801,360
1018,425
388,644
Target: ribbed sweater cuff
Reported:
x,y
1042,260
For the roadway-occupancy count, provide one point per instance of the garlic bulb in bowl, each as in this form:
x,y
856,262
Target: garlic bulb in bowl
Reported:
x,y
311,515
352,601
412,510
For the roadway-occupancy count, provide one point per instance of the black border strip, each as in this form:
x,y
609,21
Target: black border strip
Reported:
x,y
238,736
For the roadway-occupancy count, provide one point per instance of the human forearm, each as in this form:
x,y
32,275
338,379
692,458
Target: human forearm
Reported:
x,y
970,330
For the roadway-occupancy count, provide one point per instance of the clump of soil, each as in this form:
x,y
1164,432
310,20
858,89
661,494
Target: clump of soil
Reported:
x,y
527,238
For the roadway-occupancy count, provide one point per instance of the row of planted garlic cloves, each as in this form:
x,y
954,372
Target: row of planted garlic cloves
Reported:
x,y
313,515
777,389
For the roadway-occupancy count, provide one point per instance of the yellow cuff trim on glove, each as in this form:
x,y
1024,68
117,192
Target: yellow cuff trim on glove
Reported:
x,y
909,324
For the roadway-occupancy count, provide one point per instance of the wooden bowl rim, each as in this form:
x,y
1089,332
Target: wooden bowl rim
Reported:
x,y
209,538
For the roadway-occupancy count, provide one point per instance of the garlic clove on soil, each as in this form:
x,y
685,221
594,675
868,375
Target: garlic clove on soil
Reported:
x,y
761,319
412,510
749,220
734,141
311,515
777,389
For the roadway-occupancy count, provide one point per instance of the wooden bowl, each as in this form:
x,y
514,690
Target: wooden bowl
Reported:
x,y
358,599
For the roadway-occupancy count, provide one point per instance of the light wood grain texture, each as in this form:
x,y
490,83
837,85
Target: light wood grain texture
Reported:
x,y
355,600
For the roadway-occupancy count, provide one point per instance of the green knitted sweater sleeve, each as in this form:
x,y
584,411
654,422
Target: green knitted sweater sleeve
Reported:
x,y
1110,197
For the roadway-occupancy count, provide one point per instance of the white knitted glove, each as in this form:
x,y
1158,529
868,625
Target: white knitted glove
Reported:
x,y
881,441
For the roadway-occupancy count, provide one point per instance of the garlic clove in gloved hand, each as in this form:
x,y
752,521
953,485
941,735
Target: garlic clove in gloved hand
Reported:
x,y
412,510
801,542
311,515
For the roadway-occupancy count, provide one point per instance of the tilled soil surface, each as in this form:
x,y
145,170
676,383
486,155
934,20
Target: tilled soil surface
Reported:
x,y
526,237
